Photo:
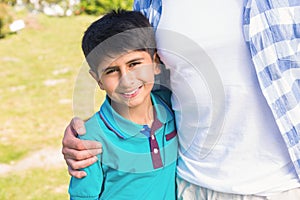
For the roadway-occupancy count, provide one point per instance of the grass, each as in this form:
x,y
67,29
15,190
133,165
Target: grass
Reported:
x,y
39,67
35,184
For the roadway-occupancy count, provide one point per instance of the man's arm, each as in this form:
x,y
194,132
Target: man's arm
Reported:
x,y
78,153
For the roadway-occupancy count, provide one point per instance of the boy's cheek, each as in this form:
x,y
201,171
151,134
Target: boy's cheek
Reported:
x,y
145,73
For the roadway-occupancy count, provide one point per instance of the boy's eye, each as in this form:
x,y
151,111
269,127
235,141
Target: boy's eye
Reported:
x,y
134,64
110,71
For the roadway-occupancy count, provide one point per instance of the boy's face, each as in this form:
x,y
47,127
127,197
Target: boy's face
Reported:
x,y
128,80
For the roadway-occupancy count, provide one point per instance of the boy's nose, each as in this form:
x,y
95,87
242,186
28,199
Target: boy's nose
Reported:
x,y
127,79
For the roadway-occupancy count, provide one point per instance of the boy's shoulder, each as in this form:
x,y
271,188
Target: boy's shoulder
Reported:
x,y
92,121
164,95
92,127
162,103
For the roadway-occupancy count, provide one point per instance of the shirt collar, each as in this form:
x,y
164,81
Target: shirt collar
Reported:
x,y
125,128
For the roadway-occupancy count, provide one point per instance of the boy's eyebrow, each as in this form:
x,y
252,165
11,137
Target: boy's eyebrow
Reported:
x,y
130,61
134,60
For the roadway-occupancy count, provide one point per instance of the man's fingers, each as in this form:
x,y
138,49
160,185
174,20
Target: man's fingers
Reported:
x,y
90,144
77,125
75,165
80,155
71,142
85,144
76,173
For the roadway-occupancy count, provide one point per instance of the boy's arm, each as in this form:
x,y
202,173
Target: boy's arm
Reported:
x,y
78,153
89,187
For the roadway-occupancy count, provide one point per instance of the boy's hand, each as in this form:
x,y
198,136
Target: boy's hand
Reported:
x,y
78,153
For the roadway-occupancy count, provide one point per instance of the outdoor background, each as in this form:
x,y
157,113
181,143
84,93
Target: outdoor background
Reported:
x,y
39,65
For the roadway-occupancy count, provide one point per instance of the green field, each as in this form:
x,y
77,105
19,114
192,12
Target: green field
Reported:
x,y
39,66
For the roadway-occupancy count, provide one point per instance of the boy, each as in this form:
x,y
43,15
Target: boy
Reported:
x,y
136,127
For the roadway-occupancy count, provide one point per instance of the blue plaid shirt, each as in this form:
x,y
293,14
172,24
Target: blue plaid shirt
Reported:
x,y
272,31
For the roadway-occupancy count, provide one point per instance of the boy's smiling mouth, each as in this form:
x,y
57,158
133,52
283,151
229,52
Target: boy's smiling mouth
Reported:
x,y
131,93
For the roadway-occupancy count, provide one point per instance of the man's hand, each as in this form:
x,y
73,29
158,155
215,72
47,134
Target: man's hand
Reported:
x,y
78,153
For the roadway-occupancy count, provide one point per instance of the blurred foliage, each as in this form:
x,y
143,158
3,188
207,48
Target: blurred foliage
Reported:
x,y
8,2
5,19
98,7
13,2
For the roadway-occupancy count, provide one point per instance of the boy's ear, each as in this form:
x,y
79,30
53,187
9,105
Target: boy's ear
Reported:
x,y
96,77
157,63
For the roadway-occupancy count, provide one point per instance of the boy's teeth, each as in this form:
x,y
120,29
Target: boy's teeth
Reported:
x,y
129,93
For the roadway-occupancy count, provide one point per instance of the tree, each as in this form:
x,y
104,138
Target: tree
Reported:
x,y
98,7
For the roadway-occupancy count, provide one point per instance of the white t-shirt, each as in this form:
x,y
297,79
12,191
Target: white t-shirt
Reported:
x,y
248,154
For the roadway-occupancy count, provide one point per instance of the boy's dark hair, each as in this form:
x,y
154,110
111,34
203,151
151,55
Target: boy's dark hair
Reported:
x,y
115,33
